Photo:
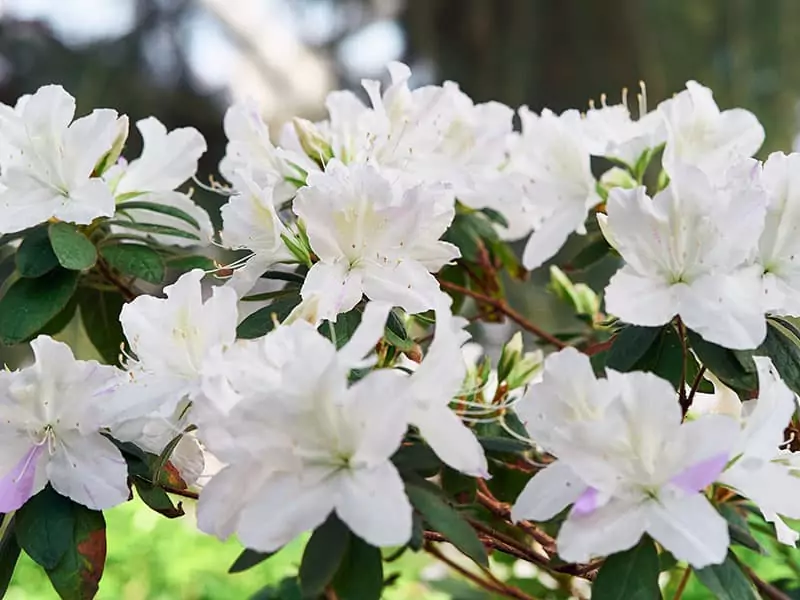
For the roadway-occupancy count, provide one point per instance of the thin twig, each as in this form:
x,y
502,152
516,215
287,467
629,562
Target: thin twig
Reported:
x,y
684,356
126,291
490,586
695,386
183,493
768,591
503,307
682,583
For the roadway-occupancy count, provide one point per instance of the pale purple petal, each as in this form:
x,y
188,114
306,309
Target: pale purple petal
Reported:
x,y
701,474
17,486
586,503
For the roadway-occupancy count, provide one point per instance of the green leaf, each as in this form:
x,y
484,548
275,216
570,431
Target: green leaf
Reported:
x,y
35,255
738,528
187,263
444,519
287,276
73,249
9,555
287,589
361,574
261,322
29,304
503,445
783,348
154,229
136,260
630,345
343,329
44,527
629,575
100,315
157,499
249,559
469,231
163,209
77,575
417,458
727,581
736,369
396,334
590,254
323,555
61,320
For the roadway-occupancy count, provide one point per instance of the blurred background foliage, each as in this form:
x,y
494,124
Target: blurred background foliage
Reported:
x,y
186,60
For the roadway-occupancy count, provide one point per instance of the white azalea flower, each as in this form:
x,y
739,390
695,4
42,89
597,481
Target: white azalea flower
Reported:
x,y
48,161
779,246
698,133
171,338
300,443
611,131
167,161
685,253
250,149
551,152
762,471
251,222
434,384
373,239
52,418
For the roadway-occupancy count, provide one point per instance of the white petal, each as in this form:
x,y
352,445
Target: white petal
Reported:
x,y
88,139
614,527
690,528
181,202
640,300
90,470
85,203
338,288
224,496
549,492
785,534
552,234
406,284
374,505
452,440
367,335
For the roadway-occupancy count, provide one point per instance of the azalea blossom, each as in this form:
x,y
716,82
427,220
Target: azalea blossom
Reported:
x,y
626,466
171,338
373,239
53,415
698,133
779,244
300,443
552,153
762,470
167,161
686,253
48,161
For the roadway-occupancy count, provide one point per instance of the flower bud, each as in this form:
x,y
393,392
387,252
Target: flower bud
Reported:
x,y
582,298
313,142
617,177
111,157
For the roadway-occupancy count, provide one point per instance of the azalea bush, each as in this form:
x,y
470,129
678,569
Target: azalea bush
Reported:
x,y
307,371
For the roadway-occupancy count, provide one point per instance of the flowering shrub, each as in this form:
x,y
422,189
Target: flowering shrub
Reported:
x,y
322,383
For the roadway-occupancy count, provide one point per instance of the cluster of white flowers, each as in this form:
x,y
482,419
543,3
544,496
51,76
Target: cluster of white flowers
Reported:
x,y
363,199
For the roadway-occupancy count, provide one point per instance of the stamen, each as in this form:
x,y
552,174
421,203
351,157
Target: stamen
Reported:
x,y
642,99
625,97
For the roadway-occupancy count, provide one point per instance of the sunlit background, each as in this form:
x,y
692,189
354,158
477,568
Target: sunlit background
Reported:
x,y
186,60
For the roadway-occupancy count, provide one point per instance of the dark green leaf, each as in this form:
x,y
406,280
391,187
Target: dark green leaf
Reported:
x,y
157,499
154,229
495,217
323,555
630,345
456,485
295,278
738,528
469,231
249,559
590,254
187,263
727,581
396,334
418,458
163,209
29,304
361,574
100,315
288,589
783,348
35,255
136,260
448,522
77,575
736,369
9,554
73,249
44,527
503,445
343,329
274,295
261,322
629,575
61,320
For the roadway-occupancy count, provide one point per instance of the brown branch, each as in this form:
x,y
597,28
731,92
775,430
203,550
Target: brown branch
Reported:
x,y
768,591
502,306
682,583
684,355
178,492
695,386
126,291
496,586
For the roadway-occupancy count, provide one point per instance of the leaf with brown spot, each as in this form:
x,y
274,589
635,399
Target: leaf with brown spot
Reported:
x,y
77,575
169,476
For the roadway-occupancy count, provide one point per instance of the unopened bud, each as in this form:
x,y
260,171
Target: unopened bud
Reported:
x,y
111,157
313,142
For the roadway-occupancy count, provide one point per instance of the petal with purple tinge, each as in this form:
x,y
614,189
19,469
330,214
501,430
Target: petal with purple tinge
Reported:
x,y
701,474
17,486
586,503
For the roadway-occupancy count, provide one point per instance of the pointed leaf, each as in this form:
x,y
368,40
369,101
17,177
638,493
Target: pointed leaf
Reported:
x,y
29,304
44,527
73,250
361,574
35,255
100,315
630,345
736,369
783,347
444,519
136,260
154,229
9,555
727,581
163,209
262,321
187,263
343,329
629,575
323,555
157,499
249,559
